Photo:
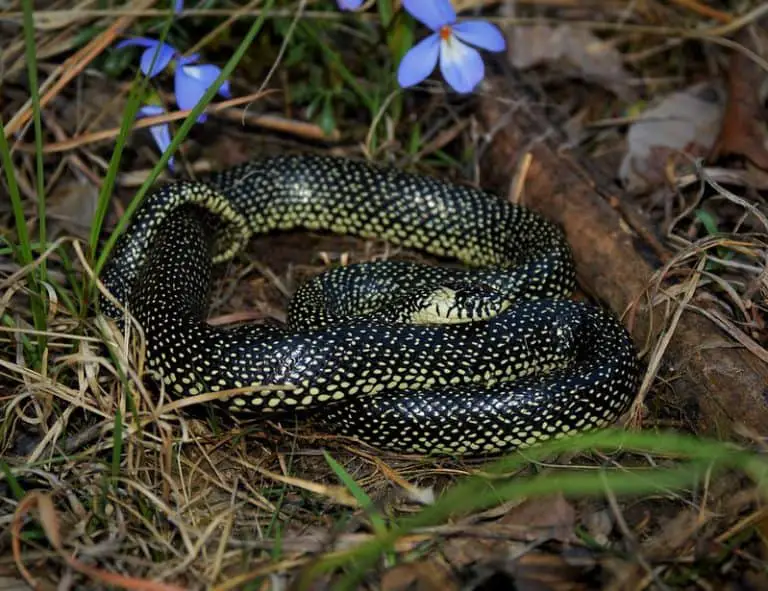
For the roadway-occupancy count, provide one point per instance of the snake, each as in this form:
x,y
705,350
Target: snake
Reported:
x,y
481,350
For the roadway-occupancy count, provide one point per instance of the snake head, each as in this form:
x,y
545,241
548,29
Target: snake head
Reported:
x,y
459,302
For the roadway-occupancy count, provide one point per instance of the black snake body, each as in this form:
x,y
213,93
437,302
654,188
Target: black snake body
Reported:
x,y
472,361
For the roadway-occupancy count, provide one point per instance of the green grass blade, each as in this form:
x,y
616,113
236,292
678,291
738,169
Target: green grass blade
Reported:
x,y
31,55
105,193
360,496
71,292
23,251
16,489
134,100
10,322
386,13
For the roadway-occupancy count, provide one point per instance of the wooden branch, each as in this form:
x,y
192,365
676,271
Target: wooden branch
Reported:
x,y
719,387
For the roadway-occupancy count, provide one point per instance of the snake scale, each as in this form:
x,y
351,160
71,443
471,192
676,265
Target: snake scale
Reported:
x,y
484,356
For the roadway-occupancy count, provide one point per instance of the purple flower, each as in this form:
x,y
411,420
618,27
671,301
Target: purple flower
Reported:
x,y
165,53
461,65
161,133
349,4
193,80
178,6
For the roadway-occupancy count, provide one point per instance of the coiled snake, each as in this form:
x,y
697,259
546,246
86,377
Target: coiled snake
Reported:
x,y
403,356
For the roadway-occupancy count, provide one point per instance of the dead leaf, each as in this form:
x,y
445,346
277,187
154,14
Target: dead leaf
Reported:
x,y
745,131
685,122
426,575
71,208
537,571
677,534
533,571
492,559
463,551
49,520
501,550
546,518
584,54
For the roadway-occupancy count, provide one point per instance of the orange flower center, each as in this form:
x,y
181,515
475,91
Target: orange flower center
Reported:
x,y
445,32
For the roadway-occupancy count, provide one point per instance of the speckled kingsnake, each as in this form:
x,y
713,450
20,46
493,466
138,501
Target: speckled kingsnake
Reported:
x,y
539,366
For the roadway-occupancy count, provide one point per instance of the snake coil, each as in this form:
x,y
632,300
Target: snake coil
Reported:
x,y
480,359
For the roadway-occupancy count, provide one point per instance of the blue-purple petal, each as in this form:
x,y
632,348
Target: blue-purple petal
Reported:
x,y
155,59
150,111
433,13
224,89
461,65
349,4
204,74
178,6
192,81
480,34
189,91
419,62
184,60
161,133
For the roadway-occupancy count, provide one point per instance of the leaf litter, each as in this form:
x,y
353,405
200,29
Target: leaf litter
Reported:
x,y
681,127
200,503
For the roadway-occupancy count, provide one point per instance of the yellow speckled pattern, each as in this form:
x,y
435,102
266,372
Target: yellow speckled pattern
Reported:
x,y
384,352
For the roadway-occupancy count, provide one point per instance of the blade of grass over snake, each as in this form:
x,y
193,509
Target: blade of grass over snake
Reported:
x,y
188,123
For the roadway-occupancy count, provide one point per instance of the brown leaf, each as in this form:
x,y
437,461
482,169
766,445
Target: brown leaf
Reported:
x,y
71,207
677,534
577,49
547,518
49,520
537,571
744,131
419,576
530,570
463,551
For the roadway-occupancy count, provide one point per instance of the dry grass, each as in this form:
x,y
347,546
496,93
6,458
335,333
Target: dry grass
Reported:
x,y
109,483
